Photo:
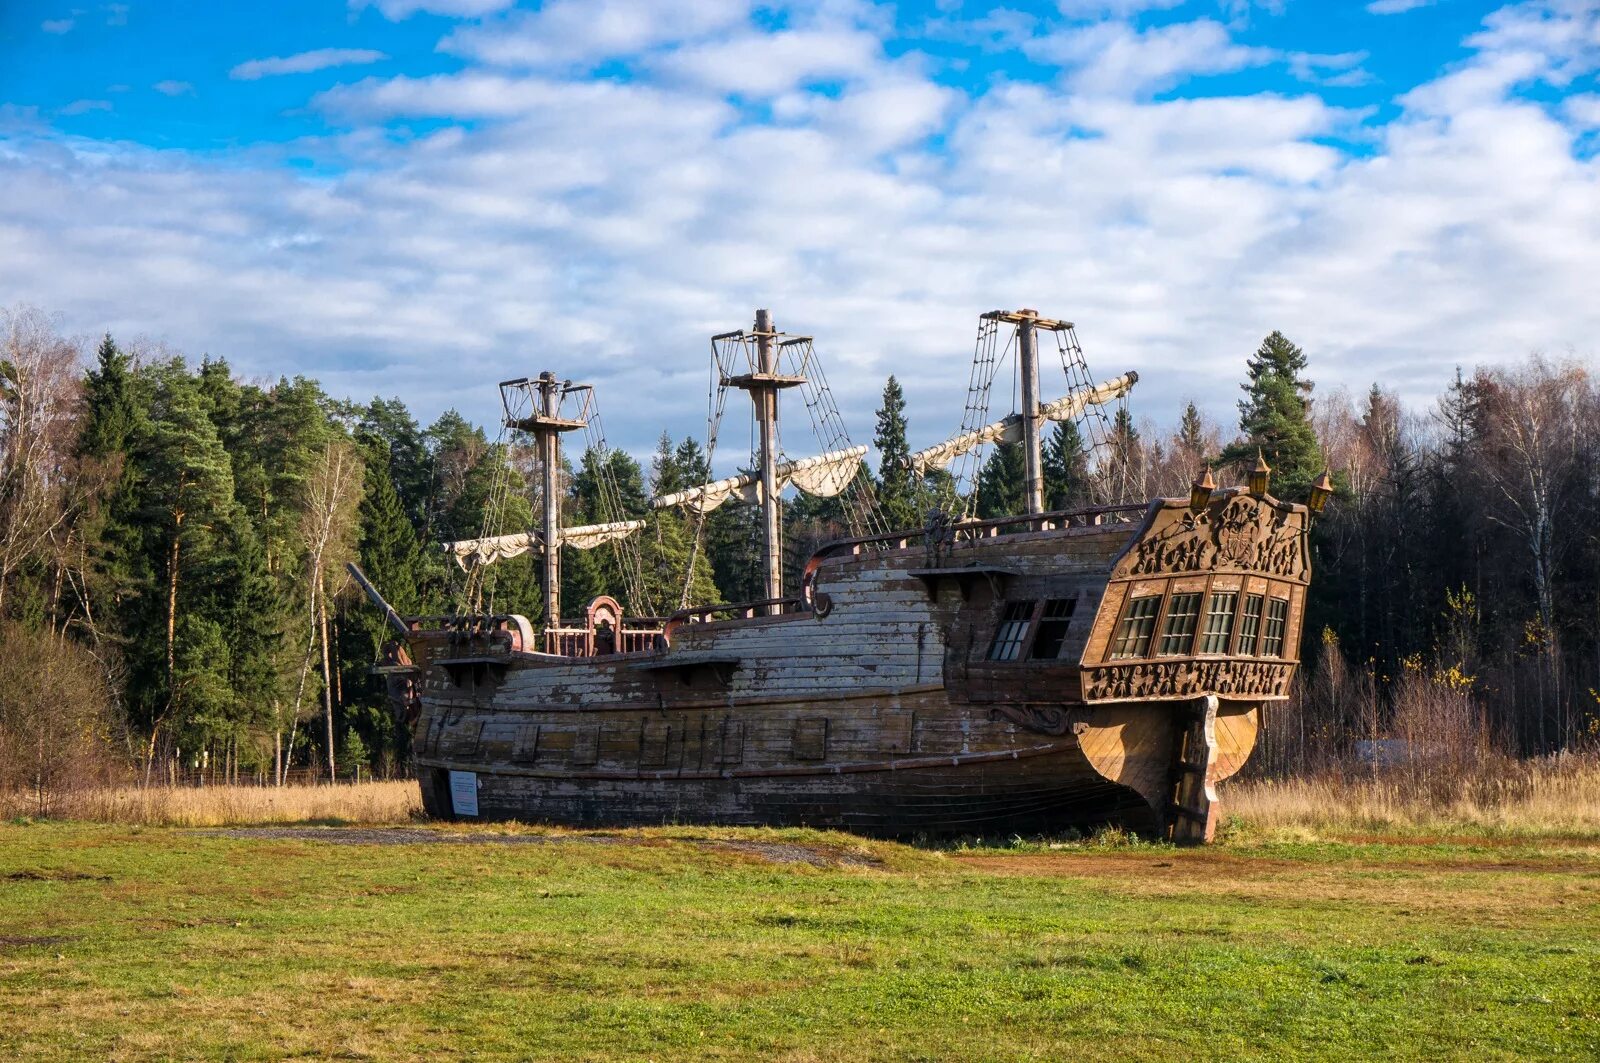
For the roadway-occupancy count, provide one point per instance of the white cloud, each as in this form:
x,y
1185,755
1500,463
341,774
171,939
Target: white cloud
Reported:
x,y
1583,110
396,10
58,25
767,64
304,62
566,32
1340,70
603,228
1396,7
1091,9
85,106
1115,59
174,88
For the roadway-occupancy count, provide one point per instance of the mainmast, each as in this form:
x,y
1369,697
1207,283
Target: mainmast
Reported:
x,y
763,384
755,361
546,425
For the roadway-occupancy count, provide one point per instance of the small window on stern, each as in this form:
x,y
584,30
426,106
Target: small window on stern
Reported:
x,y
1277,619
1177,634
1250,626
1054,623
1219,621
1012,632
1138,624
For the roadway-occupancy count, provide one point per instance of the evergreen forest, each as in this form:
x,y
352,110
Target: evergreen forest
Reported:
x,y
174,599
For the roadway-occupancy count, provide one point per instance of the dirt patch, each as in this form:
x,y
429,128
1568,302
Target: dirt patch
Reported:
x,y
15,941
1095,864
1211,865
60,875
774,852
789,853
392,836
1470,841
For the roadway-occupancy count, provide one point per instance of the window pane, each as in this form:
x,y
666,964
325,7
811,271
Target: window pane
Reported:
x,y
1277,615
1054,624
1219,621
1178,633
1250,625
1012,632
1138,624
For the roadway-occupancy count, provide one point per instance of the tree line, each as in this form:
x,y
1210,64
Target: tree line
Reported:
x,y
173,543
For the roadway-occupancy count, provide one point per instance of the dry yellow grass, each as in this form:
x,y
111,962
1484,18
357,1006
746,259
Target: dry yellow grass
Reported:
x,y
1554,796
213,806
1557,796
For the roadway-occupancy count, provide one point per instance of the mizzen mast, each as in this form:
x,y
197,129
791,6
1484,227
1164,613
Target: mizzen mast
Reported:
x,y
1028,322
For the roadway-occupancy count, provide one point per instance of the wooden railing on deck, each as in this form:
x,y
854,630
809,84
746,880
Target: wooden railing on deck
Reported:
x,y
584,642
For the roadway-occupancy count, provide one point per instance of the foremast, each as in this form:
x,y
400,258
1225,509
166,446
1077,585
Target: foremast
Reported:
x,y
536,406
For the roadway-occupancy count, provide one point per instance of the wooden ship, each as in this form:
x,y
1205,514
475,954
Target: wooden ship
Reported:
x,y
1035,673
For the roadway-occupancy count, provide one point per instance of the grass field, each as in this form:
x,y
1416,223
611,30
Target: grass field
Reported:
x,y
126,942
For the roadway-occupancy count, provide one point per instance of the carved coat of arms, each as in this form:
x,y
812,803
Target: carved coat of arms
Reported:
x,y
1237,531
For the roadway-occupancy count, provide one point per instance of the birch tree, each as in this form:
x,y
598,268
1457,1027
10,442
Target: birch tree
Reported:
x,y
328,524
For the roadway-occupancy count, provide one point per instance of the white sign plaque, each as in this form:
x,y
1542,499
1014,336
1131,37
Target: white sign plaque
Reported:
x,y
464,792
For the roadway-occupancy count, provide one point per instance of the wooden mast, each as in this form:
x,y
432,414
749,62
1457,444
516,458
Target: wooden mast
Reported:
x,y
766,400
550,515
546,424
763,383
1028,363
1028,324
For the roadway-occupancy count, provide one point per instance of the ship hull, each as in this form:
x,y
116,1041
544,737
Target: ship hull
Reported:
x,y
1047,789
887,705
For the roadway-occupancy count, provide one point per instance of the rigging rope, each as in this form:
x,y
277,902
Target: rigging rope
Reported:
x,y
975,414
625,550
1112,474
716,400
863,513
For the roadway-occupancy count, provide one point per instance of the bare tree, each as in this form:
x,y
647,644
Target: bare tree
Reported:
x,y
40,393
1535,422
328,512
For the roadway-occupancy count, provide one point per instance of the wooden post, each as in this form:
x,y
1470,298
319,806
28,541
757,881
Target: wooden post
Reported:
x,y
1193,817
548,438
766,400
1028,363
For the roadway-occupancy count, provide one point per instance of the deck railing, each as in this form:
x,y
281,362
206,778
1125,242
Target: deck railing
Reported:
x,y
586,642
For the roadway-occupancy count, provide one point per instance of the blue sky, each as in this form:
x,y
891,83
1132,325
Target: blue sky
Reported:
x,y
421,197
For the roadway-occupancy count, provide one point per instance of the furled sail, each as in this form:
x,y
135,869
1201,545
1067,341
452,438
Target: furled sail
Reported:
x,y
495,547
1009,429
824,475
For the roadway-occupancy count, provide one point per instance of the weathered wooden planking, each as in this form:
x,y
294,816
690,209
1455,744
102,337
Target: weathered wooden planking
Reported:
x,y
879,710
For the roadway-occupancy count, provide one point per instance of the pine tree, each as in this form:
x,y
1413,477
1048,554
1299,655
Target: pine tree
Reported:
x,y
1067,483
110,414
1122,475
388,548
255,609
113,421
1190,437
186,499
897,490
668,543
1003,482
1275,417
410,464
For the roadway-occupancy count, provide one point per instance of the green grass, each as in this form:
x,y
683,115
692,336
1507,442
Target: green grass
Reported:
x,y
144,943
